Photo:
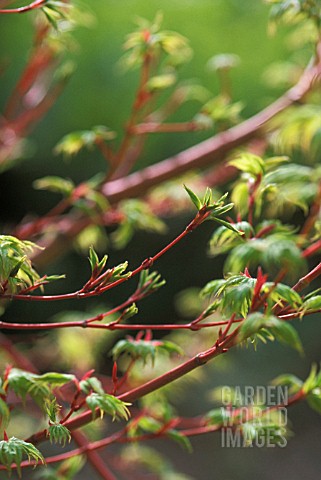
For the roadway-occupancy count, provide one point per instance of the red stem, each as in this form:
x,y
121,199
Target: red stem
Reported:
x,y
93,457
307,279
312,249
155,127
139,102
147,263
26,8
120,437
210,152
112,325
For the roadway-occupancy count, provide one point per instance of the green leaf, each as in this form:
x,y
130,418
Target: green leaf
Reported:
x,y
225,224
108,404
72,143
232,295
93,258
196,201
91,384
16,271
212,287
39,387
273,253
150,40
218,416
145,424
294,383
52,408
252,324
55,184
52,278
312,381
274,433
129,312
24,383
298,131
149,282
281,293
285,333
58,433
54,379
13,450
311,304
144,349
161,82
249,163
4,414
224,239
237,300
181,439
281,330
220,111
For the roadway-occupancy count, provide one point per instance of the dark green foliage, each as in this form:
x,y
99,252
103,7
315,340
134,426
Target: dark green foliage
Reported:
x,y
257,322
273,253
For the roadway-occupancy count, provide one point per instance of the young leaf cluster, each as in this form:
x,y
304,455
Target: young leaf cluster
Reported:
x,y
150,40
13,450
56,432
149,283
211,209
100,277
39,387
260,326
109,404
274,185
16,271
232,295
299,131
96,398
144,349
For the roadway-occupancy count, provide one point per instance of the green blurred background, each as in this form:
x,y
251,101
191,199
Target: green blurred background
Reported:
x,y
98,94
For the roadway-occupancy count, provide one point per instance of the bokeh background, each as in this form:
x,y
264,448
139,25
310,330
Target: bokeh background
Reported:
x,y
98,94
